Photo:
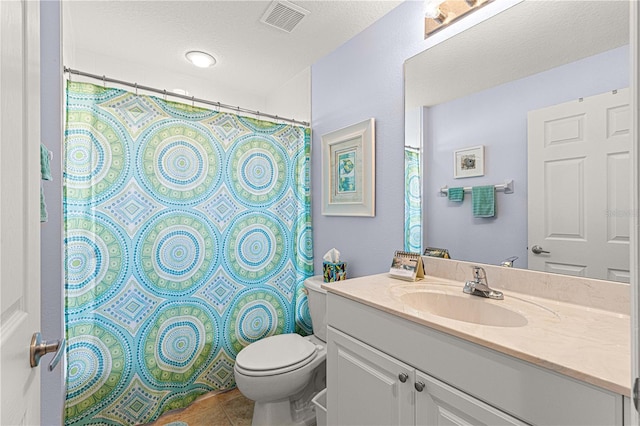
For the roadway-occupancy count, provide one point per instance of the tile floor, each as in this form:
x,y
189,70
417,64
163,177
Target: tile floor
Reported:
x,y
224,409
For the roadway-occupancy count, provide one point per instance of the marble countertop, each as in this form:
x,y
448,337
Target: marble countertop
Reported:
x,y
587,344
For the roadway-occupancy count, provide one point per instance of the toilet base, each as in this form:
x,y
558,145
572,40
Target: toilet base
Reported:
x,y
297,410
278,413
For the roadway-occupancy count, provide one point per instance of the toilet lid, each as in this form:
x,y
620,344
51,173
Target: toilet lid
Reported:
x,y
276,352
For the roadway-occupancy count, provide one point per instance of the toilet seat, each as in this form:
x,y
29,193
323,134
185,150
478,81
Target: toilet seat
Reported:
x,y
275,355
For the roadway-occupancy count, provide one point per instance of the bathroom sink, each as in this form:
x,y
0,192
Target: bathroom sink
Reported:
x,y
449,302
464,308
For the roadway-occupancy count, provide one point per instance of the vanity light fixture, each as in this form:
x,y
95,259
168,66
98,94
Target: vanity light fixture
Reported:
x,y
432,11
200,59
440,13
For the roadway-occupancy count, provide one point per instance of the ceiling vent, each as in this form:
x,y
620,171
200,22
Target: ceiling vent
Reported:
x,y
284,15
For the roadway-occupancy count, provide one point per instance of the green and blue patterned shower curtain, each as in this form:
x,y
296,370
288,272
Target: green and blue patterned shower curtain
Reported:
x,y
187,237
412,201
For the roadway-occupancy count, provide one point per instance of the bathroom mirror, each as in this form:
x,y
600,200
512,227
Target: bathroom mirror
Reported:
x,y
477,88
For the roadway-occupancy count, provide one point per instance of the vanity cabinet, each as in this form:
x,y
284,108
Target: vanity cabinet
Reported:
x,y
375,359
439,404
368,387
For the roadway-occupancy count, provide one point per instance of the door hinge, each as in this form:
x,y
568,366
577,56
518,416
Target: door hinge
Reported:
x,y
636,384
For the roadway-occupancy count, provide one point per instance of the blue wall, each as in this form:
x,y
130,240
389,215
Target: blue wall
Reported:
x,y
363,79
51,258
497,119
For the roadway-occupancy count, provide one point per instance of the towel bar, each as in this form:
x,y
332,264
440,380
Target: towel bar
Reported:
x,y
506,187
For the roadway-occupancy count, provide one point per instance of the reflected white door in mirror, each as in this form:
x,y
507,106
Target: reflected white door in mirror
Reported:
x,y
579,187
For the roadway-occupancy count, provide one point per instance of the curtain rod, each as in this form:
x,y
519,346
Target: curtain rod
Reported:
x,y
193,99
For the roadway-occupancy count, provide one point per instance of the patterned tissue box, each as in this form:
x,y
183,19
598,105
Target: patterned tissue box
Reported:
x,y
334,271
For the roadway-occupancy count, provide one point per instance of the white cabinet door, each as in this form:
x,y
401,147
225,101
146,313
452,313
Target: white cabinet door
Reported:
x,y
366,386
438,404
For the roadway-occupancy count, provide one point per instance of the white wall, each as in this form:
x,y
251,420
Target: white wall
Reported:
x,y
293,99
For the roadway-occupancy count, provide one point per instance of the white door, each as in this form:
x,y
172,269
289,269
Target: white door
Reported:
x,y
438,404
366,386
580,187
19,209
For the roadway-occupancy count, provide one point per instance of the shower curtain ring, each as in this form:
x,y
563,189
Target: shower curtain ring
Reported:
x,y
104,84
165,94
136,86
192,101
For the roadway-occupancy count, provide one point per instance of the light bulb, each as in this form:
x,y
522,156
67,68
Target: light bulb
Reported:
x,y
200,59
432,10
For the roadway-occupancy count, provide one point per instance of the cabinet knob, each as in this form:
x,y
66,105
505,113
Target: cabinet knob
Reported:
x,y
403,377
419,386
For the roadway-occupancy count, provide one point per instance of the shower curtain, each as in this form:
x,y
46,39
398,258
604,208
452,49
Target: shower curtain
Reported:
x,y
412,201
187,237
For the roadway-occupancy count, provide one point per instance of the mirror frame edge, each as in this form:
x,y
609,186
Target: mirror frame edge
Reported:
x,y
634,83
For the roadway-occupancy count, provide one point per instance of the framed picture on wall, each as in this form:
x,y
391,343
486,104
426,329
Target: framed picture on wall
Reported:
x,y
468,162
348,170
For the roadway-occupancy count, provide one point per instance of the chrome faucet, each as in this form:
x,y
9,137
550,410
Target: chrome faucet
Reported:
x,y
508,262
480,287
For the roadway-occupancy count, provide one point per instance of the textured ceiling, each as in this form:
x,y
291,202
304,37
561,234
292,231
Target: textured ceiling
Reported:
x,y
529,38
252,56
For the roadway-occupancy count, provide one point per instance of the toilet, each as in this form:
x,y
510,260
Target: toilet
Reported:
x,y
283,373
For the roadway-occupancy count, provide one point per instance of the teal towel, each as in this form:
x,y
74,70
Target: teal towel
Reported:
x,y
45,166
456,194
45,174
43,207
484,201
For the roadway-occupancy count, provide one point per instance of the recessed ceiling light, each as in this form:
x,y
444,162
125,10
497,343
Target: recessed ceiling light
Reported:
x,y
200,59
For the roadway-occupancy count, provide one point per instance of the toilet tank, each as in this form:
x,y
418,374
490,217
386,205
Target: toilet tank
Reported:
x,y
317,298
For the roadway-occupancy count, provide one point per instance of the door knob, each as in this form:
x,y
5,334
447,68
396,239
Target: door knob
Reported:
x,y
419,386
538,250
41,347
403,377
